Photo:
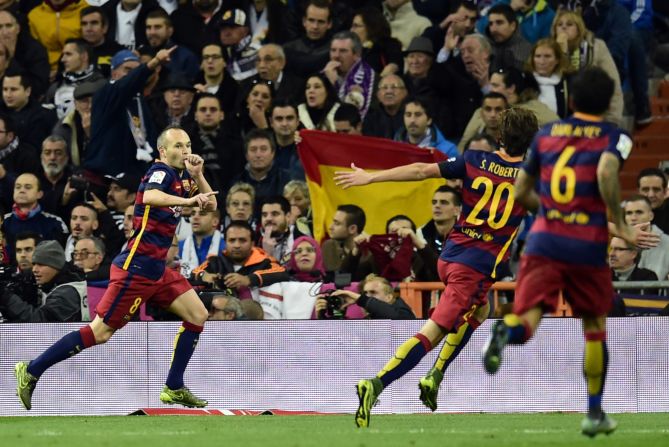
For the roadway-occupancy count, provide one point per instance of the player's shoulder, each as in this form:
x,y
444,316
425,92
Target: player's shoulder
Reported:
x,y
158,172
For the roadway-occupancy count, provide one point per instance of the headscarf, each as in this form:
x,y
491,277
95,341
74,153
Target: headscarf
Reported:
x,y
318,271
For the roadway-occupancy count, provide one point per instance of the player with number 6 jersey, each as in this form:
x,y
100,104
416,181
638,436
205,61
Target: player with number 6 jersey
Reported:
x,y
471,259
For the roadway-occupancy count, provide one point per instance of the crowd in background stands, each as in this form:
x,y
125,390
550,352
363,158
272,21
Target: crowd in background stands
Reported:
x,y
87,87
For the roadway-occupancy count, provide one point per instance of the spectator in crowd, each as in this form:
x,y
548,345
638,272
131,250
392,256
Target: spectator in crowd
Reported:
x,y
623,259
551,69
306,261
89,255
127,19
78,67
321,103
520,90
271,64
446,206
214,79
453,29
297,193
277,234
254,114
347,120
347,224
638,211
241,265
196,23
159,31
55,178
215,139
386,118
490,111
420,59
424,258
173,106
272,21
534,18
261,172
652,184
25,247
25,51
52,23
94,26
240,51
380,50
509,47
83,223
405,23
252,310
284,123
225,308
63,286
204,241
419,130
122,193
308,54
481,142
16,157
584,50
32,121
128,228
239,204
27,214
352,77
376,296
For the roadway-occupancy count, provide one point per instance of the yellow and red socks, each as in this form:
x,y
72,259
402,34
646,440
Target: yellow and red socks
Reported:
x,y
454,343
69,345
184,346
407,356
595,364
518,329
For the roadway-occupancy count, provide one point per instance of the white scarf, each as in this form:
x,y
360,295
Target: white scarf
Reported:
x,y
547,89
189,259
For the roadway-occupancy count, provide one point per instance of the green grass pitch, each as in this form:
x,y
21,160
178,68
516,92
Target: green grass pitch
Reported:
x,y
434,430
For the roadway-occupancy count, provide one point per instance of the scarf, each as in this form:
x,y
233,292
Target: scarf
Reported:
x,y
392,255
77,77
547,89
318,271
11,147
21,215
357,88
137,126
189,258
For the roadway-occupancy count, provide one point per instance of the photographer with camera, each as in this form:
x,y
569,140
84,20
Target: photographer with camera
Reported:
x,y
376,297
62,286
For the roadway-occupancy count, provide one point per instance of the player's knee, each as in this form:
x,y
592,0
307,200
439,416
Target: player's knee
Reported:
x,y
101,331
201,315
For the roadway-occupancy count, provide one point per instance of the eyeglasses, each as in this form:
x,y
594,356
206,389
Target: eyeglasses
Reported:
x,y
213,57
236,204
83,254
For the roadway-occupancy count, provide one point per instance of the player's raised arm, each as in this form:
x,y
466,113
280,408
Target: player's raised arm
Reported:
x,y
609,188
524,191
411,172
195,166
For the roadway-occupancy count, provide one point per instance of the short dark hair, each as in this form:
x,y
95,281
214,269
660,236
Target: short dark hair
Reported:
x,y
10,125
467,4
239,224
159,13
354,216
397,217
591,91
322,4
517,129
348,112
86,205
258,134
651,172
485,137
17,72
277,199
82,47
505,10
457,197
427,107
209,96
93,10
639,198
23,235
496,95
282,102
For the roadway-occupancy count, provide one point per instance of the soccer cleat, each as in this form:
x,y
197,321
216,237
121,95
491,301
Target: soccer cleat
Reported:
x,y
182,396
368,392
429,388
592,427
492,350
25,384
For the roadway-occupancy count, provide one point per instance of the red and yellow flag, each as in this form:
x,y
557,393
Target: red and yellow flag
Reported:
x,y
323,153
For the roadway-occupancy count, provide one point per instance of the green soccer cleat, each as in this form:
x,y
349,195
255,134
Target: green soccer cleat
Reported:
x,y
25,384
368,392
429,388
592,427
492,350
182,396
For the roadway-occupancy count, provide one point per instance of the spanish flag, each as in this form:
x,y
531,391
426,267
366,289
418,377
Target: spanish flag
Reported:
x,y
323,153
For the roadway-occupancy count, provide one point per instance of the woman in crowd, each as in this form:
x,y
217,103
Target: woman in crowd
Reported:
x,y
321,103
551,69
584,50
258,102
306,261
297,193
381,51
239,204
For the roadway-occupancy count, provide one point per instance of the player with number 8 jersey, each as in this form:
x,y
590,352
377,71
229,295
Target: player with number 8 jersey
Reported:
x,y
471,258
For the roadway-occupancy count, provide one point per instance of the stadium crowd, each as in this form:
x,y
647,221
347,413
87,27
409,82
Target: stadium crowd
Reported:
x,y
88,86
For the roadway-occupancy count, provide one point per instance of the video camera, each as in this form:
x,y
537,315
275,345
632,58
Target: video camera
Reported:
x,y
333,310
20,284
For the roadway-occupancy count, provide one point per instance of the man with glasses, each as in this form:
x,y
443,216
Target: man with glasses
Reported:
x,y
385,119
270,64
89,256
624,263
215,80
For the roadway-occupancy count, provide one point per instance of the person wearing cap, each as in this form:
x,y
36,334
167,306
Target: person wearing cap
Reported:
x,y
62,286
308,54
173,106
159,31
122,193
239,49
94,27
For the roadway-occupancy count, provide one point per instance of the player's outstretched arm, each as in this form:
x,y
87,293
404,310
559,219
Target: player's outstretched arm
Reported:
x,y
524,191
412,172
609,188
155,197
643,236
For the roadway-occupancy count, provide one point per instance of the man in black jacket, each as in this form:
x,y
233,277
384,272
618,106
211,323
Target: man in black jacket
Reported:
x,y
62,284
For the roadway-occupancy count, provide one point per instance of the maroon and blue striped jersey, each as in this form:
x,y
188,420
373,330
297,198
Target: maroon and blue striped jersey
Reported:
x,y
490,217
154,227
572,225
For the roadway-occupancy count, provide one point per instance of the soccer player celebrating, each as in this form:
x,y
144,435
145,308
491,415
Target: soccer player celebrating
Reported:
x,y
575,164
470,259
138,273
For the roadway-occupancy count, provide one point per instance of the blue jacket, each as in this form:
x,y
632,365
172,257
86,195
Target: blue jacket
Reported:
x,y
611,23
48,226
641,11
534,25
112,148
437,141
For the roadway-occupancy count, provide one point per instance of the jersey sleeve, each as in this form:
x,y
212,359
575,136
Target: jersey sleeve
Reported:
x,y
159,178
454,167
620,145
